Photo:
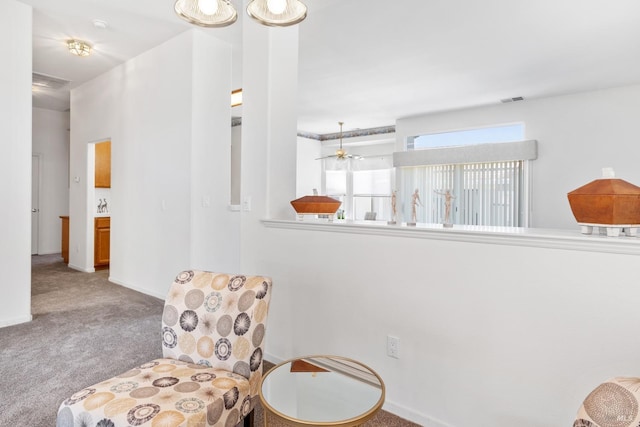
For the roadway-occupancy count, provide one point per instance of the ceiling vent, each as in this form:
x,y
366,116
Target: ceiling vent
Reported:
x,y
507,100
49,82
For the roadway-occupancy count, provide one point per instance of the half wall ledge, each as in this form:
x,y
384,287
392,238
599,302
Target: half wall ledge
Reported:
x,y
511,236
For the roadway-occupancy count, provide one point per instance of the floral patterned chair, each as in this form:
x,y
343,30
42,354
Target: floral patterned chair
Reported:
x,y
213,328
613,403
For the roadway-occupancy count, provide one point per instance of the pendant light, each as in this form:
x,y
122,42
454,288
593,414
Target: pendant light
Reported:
x,y
206,13
277,13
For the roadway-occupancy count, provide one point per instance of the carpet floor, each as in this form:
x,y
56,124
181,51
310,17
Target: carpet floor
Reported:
x,y
84,330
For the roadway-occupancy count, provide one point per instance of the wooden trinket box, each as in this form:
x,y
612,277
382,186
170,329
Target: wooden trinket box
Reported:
x,y
611,203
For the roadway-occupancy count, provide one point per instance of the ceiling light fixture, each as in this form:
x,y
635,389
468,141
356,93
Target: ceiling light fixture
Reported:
x,y
341,153
277,13
206,13
78,47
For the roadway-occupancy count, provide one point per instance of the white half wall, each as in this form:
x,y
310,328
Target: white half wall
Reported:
x,y
15,162
490,335
51,142
577,136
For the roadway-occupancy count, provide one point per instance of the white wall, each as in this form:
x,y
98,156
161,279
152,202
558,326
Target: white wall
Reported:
x,y
168,121
15,162
51,142
577,136
490,335
236,164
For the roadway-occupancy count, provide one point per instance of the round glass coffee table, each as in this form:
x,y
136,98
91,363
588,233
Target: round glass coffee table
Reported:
x,y
320,391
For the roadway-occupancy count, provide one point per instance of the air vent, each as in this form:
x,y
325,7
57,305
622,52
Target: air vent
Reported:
x,y
49,82
515,99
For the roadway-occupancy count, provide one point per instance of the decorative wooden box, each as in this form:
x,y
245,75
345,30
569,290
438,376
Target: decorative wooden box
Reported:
x,y
611,203
319,205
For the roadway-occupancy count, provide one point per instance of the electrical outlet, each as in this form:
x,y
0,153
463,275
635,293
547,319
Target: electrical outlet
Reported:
x,y
393,347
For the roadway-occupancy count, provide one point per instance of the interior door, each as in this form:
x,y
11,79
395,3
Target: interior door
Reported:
x,y
35,197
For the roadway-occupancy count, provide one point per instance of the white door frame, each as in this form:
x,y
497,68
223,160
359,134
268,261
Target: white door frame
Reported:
x,y
36,169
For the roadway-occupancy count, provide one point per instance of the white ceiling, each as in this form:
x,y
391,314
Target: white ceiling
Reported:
x,y
370,62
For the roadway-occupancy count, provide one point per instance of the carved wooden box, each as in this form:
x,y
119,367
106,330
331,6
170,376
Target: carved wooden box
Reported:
x,y
321,205
606,201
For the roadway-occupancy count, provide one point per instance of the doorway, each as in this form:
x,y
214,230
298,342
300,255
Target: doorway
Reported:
x,y
35,202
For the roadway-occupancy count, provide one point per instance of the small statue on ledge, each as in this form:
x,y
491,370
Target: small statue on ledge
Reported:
x,y
415,202
393,209
447,207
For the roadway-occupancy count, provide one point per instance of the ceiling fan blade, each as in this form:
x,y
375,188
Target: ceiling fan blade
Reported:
x,y
327,157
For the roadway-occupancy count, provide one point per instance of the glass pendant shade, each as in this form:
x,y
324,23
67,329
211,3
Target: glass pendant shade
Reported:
x,y
207,13
277,13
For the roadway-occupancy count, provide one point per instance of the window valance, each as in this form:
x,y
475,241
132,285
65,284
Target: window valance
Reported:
x,y
480,153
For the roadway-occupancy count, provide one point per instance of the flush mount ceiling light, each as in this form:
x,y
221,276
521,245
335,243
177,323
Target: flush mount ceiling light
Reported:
x,y
277,13
78,47
207,13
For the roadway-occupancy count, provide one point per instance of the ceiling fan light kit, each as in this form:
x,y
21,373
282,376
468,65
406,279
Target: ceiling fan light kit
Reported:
x,y
206,13
341,153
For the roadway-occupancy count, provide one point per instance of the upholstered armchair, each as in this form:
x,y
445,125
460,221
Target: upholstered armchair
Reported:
x,y
613,403
213,329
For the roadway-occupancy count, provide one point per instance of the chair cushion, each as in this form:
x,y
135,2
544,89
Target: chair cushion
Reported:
x,y
613,403
161,393
218,320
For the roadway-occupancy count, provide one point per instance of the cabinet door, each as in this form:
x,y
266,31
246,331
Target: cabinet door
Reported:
x,y
102,241
103,165
65,239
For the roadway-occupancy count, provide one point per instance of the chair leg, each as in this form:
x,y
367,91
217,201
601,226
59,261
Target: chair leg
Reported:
x,y
248,420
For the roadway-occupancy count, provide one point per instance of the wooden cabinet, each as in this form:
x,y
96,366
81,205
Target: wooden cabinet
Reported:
x,y
103,165
102,242
65,239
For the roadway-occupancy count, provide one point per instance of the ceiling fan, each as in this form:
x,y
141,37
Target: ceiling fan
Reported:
x,y
341,153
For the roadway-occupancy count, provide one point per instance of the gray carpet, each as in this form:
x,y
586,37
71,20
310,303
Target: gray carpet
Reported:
x,y
84,330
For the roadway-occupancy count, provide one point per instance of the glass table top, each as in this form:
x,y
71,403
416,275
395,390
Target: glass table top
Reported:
x,y
322,389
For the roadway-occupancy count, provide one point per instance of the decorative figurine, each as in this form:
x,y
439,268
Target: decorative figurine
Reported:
x,y
393,209
447,207
415,201
102,206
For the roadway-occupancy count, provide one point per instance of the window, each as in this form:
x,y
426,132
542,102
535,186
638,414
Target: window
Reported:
x,y
483,193
487,176
372,193
506,133
362,185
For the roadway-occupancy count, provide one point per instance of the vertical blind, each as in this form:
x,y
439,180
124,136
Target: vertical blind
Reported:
x,y
484,193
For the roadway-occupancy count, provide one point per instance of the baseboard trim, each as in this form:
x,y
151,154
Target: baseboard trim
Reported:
x,y
389,406
16,321
49,252
413,416
136,288
84,270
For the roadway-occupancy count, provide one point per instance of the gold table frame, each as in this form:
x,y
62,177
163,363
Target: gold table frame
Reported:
x,y
271,412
